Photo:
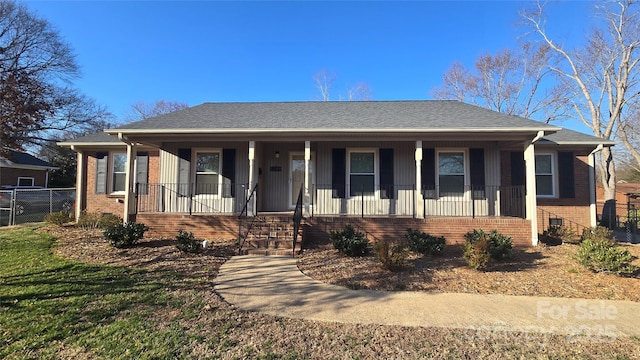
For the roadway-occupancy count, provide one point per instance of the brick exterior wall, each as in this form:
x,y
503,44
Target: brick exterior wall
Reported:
x,y
575,211
106,203
452,228
203,226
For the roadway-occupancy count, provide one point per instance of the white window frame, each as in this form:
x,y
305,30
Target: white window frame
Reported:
x,y
194,171
20,178
554,174
465,159
111,172
376,172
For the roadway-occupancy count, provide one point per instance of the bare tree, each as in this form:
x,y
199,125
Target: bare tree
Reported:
x,y
141,110
600,80
324,80
37,103
511,82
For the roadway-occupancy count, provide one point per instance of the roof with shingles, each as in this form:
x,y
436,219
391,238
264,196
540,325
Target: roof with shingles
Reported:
x,y
335,115
22,158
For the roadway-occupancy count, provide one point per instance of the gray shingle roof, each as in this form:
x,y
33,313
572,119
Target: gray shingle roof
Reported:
x,y
571,137
100,137
335,115
21,158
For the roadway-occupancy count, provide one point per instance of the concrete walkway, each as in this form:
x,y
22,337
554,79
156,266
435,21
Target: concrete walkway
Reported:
x,y
275,285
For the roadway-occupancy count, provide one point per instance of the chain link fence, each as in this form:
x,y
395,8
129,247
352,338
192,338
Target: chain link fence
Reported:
x,y
18,206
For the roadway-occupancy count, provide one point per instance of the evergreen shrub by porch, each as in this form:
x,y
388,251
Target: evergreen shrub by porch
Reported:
x,y
424,243
557,235
125,235
476,250
58,218
108,220
602,255
392,254
349,242
187,242
499,245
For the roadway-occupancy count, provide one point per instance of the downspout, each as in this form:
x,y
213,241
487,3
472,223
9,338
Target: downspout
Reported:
x,y
592,185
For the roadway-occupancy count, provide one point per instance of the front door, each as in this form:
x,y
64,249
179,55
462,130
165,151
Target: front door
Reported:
x,y
296,175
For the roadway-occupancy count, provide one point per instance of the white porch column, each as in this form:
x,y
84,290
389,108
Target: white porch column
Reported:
x,y
530,191
129,196
252,180
307,177
418,192
80,165
592,186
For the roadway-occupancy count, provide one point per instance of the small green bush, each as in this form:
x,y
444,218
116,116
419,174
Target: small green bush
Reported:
x,y
58,218
349,242
476,251
556,235
596,233
88,220
392,254
125,235
602,255
424,243
108,220
499,246
187,242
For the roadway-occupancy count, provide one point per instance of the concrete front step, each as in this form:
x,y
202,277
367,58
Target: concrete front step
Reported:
x,y
267,252
270,243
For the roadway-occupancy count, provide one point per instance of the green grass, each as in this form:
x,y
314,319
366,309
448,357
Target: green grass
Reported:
x,y
47,302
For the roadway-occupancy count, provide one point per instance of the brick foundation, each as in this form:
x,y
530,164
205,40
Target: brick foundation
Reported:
x,y
202,226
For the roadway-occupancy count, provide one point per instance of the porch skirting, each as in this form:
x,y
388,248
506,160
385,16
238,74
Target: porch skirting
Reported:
x,y
316,229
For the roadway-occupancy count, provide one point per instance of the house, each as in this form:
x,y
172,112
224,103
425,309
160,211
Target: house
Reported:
x,y
22,169
444,167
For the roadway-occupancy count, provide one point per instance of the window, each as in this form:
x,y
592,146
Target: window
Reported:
x,y
362,172
208,172
451,173
545,172
25,181
118,183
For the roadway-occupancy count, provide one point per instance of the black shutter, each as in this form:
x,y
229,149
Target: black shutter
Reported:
x,y
476,167
142,172
339,173
517,168
566,178
184,169
429,173
102,161
228,173
386,174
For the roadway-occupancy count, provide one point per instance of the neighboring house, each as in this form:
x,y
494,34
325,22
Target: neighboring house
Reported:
x,y
444,167
22,169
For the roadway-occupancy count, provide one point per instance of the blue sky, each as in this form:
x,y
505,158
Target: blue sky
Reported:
x,y
269,51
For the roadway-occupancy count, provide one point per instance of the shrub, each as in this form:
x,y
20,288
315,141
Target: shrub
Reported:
x,y
58,218
424,243
88,220
349,242
108,220
187,242
602,255
596,233
476,250
392,254
556,235
125,235
499,246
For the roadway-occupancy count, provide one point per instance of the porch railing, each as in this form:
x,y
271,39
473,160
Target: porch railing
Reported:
x,y
225,198
404,200
297,219
244,222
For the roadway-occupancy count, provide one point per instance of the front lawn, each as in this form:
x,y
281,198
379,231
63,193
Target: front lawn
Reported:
x,y
75,297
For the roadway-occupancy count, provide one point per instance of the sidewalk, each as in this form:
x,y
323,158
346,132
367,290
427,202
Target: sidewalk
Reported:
x,y
274,285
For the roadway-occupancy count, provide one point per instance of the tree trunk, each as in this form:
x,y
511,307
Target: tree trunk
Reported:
x,y
608,179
